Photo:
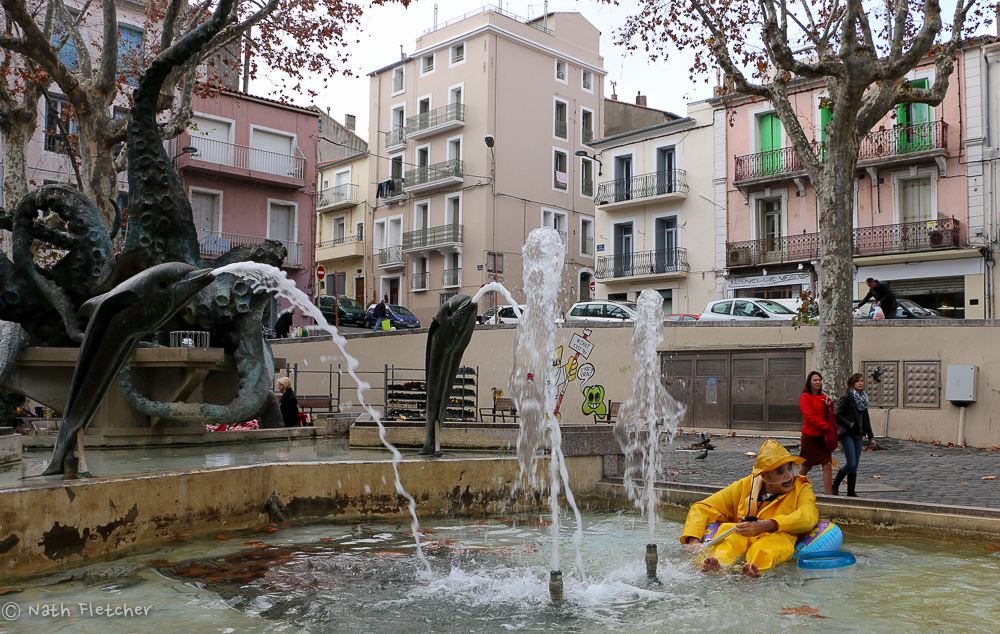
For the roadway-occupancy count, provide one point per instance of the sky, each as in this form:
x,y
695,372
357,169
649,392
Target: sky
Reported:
x,y
666,83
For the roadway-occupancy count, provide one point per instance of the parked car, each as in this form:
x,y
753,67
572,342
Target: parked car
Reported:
x,y
745,309
602,310
507,315
399,317
867,310
347,310
680,317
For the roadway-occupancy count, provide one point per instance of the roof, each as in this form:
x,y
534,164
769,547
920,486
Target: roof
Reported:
x,y
242,95
346,159
666,124
636,105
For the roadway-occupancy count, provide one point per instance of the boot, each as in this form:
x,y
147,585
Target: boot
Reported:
x,y
836,482
852,479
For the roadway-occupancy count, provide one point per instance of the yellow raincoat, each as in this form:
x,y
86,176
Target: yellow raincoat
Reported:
x,y
795,512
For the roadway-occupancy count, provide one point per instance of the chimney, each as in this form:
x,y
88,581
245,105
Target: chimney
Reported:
x,y
349,122
640,100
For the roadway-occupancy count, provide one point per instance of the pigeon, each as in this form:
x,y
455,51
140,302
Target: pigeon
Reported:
x,y
877,374
702,455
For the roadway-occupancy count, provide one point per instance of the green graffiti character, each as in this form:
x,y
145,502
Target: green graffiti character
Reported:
x,y
593,401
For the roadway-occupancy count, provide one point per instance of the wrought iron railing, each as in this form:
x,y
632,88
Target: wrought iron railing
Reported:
x,y
436,117
241,156
394,137
337,241
642,263
904,139
432,236
795,248
215,243
345,193
780,161
907,237
390,255
418,281
450,277
430,173
397,189
644,186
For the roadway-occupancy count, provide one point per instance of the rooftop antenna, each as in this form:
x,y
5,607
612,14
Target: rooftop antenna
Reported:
x,y
614,97
435,16
402,55
545,15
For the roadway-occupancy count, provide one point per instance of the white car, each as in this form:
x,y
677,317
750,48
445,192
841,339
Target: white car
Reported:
x,y
744,309
602,310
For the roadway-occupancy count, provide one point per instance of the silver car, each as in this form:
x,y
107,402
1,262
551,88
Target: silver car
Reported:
x,y
602,310
745,309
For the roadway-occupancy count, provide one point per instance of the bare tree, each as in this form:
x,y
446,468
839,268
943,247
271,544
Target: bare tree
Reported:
x,y
862,51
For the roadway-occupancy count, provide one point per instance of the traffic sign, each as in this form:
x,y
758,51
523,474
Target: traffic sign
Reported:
x,y
593,286
320,272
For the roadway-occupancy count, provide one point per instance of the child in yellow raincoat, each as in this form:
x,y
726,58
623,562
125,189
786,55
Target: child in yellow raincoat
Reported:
x,y
782,502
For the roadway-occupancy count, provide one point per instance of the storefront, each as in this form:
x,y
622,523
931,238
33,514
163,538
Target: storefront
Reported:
x,y
775,286
954,287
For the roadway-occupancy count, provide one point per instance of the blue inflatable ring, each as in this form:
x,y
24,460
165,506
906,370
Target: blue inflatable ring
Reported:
x,y
826,560
825,536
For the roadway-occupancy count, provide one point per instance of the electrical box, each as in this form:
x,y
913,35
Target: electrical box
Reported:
x,y
960,383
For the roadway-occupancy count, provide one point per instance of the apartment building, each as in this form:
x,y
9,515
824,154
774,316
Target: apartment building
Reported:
x,y
248,166
474,139
656,221
340,227
913,226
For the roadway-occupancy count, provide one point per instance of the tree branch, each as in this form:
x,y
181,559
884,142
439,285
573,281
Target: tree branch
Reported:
x,y
105,81
920,44
722,57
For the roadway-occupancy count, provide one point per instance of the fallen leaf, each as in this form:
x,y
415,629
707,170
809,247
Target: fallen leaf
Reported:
x,y
963,482
9,591
935,455
876,476
326,539
989,477
675,473
802,610
751,454
72,577
719,483
422,531
224,537
992,547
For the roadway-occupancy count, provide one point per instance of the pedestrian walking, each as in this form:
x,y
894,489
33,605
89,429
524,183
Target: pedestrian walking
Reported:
x,y
379,313
852,415
817,416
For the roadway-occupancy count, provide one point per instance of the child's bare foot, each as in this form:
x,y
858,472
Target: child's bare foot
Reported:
x,y
711,564
750,570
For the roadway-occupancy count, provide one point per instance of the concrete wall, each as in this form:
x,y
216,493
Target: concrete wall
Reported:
x,y
47,526
947,341
622,116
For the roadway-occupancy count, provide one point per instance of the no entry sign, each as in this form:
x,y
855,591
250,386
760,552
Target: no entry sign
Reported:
x,y
320,272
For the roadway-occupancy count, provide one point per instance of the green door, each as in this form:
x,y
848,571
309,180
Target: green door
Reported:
x,y
913,129
825,117
770,143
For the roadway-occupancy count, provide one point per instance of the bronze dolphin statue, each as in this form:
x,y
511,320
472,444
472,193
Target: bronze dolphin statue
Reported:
x,y
449,336
118,319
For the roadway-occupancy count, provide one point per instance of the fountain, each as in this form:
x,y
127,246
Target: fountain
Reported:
x,y
646,415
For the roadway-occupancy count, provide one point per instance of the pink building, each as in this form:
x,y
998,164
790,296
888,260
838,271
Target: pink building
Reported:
x,y
252,177
912,224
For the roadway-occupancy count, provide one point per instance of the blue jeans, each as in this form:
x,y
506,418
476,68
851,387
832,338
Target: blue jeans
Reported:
x,y
852,454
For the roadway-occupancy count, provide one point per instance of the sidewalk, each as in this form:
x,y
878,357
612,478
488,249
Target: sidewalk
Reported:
x,y
910,471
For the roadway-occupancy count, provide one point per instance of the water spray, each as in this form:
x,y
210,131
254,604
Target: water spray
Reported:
x,y
556,585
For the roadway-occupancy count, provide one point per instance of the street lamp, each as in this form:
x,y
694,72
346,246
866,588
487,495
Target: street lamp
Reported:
x,y
600,165
187,149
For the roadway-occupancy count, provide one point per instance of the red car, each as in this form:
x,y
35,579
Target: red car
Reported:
x,y
680,317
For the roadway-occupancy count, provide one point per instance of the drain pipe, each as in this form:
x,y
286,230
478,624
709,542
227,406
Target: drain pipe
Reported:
x,y
556,585
652,559
961,427
885,433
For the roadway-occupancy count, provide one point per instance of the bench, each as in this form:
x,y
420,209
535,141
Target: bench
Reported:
x,y
322,403
502,407
612,415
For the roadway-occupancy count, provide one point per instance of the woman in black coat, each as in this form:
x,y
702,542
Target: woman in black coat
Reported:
x,y
852,415
289,404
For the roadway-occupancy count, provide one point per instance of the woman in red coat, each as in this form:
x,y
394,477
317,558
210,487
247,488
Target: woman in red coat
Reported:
x,y
817,410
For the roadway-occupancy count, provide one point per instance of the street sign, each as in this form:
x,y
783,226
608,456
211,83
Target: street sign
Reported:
x,y
593,286
320,272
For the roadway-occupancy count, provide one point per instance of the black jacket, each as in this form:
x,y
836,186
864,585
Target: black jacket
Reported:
x,y
289,408
282,325
379,312
882,293
854,420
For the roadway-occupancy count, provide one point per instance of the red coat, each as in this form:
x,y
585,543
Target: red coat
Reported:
x,y
815,413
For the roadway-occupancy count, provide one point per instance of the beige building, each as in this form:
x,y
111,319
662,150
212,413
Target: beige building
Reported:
x,y
656,222
474,139
340,227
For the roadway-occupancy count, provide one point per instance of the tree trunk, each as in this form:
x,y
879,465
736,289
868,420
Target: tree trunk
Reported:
x,y
97,170
835,203
16,129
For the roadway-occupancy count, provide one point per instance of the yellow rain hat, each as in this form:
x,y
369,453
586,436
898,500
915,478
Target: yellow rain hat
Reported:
x,y
772,455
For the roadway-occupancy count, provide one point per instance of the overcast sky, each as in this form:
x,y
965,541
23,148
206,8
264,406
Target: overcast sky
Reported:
x,y
383,29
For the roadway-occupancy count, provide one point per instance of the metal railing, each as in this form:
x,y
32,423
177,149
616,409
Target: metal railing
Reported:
x,y
642,263
390,255
432,236
215,243
430,173
243,157
588,135
492,9
587,246
795,248
345,193
336,241
906,237
451,277
436,117
397,188
780,161
561,129
419,281
904,139
644,186
564,236
394,137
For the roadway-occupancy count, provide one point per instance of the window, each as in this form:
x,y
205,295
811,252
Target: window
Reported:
x,y
62,41
453,210
420,274
494,262
912,123
556,220
585,280
59,118
339,229
271,152
456,95
359,232
458,54
452,270
587,236
668,301
586,177
665,241
586,125
396,172
769,135
455,149
588,81
422,216
623,178
205,210
665,174
211,137
560,178
281,222
444,297
722,308
561,71
423,156
769,223
622,259
130,65
915,199
427,64
398,84
560,120
397,127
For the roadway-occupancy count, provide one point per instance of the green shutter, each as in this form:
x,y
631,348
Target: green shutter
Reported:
x,y
770,143
913,135
825,117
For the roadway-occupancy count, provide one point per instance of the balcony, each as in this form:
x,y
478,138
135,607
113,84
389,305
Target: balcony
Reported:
x,y
337,197
432,176
643,189
909,237
244,163
645,264
438,120
397,192
451,277
767,164
339,248
395,139
418,281
444,238
212,244
391,258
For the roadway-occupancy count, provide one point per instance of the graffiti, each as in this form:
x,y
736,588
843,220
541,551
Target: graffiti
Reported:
x,y
593,401
585,373
497,393
569,372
